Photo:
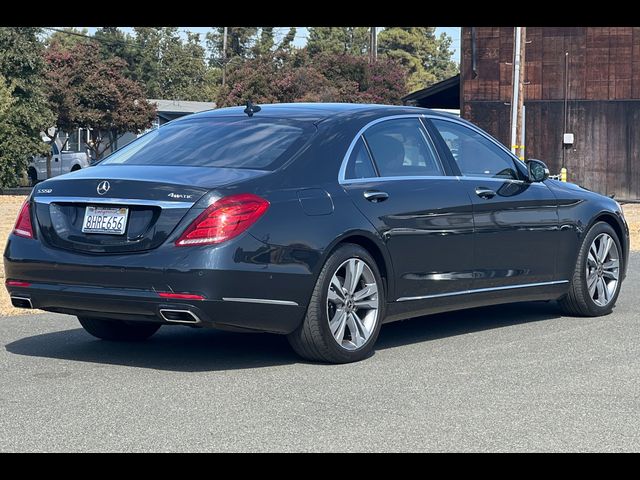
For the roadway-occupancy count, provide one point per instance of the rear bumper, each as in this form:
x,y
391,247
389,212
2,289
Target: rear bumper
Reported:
x,y
141,305
242,287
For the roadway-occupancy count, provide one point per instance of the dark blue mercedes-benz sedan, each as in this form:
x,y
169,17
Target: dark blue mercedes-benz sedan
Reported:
x,y
317,221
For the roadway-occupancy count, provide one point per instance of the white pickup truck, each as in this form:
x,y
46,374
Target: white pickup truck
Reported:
x,y
62,161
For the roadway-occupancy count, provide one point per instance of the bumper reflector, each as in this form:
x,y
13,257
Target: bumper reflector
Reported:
x,y
181,296
17,283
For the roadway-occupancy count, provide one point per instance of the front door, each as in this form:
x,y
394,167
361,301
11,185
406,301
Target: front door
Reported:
x,y
516,221
422,211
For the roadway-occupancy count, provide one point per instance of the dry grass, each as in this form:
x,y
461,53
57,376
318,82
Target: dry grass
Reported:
x,y
10,205
9,208
632,214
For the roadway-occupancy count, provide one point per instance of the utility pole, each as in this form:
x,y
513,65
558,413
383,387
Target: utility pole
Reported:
x,y
373,45
224,56
521,111
515,87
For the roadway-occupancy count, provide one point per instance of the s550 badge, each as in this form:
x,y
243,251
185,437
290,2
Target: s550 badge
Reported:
x,y
44,190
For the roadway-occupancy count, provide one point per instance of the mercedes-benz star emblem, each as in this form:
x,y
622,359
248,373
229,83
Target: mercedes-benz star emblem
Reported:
x,y
103,187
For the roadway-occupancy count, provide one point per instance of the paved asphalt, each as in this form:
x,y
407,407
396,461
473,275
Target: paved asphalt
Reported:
x,y
508,378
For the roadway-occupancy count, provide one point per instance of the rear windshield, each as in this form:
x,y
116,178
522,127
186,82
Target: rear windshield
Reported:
x,y
234,142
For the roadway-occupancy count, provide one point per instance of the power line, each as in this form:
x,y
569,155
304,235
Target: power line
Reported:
x,y
127,43
131,44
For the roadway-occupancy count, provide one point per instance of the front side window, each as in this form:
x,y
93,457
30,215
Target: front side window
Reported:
x,y
476,155
233,142
400,148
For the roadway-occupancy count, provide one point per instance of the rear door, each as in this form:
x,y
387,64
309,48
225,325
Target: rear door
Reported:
x,y
516,222
422,212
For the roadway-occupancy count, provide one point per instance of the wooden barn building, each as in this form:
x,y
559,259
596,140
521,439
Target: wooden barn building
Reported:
x,y
579,80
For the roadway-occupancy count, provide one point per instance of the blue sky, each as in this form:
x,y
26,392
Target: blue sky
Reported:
x,y
301,34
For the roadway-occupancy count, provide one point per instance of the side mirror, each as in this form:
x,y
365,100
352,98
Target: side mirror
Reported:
x,y
538,171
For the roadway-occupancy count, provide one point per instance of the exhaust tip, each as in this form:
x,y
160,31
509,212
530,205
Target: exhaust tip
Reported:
x,y
21,302
179,316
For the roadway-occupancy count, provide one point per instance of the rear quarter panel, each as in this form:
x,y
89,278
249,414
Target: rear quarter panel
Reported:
x,y
299,238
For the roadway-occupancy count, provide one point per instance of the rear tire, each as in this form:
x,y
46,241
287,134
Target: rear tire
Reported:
x,y
118,330
343,317
599,273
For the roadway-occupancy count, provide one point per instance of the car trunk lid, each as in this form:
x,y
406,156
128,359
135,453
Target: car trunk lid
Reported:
x,y
156,198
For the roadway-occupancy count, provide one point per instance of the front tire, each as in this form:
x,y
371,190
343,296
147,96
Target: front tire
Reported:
x,y
118,330
595,284
345,311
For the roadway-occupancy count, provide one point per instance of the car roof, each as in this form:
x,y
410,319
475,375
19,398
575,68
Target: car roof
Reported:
x,y
315,112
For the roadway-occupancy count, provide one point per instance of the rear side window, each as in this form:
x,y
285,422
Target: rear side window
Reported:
x,y
234,142
360,165
400,148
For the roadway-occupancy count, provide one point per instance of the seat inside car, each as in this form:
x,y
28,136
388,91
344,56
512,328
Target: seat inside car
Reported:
x,y
389,155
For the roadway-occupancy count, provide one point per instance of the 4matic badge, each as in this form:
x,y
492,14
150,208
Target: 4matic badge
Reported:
x,y
179,195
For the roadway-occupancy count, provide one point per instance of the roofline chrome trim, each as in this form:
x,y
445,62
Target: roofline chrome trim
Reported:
x,y
482,290
343,166
260,300
113,201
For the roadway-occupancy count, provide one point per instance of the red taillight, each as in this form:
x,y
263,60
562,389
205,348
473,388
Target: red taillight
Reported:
x,y
23,226
225,219
182,296
17,283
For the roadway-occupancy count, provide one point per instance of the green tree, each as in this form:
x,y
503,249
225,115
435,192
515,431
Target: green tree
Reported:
x,y
426,56
86,90
116,43
298,77
265,42
337,40
6,100
239,42
286,45
68,38
171,68
26,113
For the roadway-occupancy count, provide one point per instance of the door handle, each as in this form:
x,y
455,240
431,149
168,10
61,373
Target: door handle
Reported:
x,y
376,196
485,192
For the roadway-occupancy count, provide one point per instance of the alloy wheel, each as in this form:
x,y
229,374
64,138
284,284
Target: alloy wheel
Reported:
x,y
353,304
603,269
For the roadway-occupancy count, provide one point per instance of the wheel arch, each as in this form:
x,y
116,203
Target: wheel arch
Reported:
x,y
615,223
376,249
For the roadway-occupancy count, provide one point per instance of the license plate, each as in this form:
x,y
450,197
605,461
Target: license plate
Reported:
x,y
107,220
